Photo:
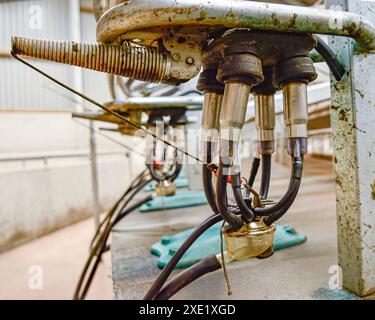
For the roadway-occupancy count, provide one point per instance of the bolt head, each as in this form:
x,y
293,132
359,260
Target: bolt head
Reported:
x,y
189,60
176,57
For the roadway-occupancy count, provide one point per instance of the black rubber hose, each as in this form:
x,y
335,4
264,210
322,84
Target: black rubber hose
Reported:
x,y
176,172
329,56
266,176
294,188
163,276
170,176
208,188
154,174
98,245
112,211
135,206
207,265
123,213
186,93
253,173
103,246
287,200
237,193
221,199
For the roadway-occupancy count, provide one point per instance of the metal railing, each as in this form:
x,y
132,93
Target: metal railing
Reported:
x,y
58,155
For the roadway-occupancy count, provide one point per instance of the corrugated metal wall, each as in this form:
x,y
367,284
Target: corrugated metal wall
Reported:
x,y
22,88
95,84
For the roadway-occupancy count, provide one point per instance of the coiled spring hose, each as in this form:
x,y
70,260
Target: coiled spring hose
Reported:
x,y
128,60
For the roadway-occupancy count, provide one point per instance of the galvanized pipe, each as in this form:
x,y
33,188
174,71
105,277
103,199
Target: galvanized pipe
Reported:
x,y
144,14
265,122
233,112
211,116
171,101
295,109
210,125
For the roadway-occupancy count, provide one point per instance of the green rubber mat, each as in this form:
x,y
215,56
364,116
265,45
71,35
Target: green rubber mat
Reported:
x,y
182,199
333,294
180,183
209,243
182,174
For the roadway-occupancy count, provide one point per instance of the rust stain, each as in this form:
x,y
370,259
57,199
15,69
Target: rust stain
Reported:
x,y
230,14
293,20
360,93
373,190
202,15
179,11
338,182
343,116
355,31
275,21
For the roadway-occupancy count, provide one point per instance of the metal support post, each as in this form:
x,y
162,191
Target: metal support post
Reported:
x,y
353,119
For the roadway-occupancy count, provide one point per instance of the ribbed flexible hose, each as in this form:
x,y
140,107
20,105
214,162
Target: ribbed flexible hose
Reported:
x,y
140,63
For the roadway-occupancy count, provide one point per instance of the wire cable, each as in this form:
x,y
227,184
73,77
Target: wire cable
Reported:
x,y
101,106
110,138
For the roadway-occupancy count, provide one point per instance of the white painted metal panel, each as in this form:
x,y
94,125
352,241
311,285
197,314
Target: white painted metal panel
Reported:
x,y
19,86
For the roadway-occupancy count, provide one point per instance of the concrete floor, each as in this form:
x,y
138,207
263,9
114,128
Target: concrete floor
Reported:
x,y
61,256
294,273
